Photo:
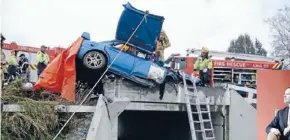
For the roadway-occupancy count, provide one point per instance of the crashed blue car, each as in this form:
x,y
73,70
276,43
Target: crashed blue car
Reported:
x,y
99,56
135,63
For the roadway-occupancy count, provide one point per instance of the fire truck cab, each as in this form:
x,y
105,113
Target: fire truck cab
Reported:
x,y
233,68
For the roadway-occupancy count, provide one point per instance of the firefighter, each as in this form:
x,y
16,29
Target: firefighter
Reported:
x,y
23,64
12,64
162,44
4,72
42,59
204,65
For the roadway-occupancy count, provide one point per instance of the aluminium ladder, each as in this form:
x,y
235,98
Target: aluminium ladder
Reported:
x,y
199,116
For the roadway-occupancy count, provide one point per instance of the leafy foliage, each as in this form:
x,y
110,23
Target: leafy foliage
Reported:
x,y
38,120
244,44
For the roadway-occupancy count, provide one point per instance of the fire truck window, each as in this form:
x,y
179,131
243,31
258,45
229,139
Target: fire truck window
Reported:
x,y
182,63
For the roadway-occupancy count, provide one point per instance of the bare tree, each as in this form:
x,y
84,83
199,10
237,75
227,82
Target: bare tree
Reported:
x,y
280,29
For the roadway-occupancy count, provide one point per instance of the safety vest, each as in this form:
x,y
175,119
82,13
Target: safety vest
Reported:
x,y
42,57
12,61
201,64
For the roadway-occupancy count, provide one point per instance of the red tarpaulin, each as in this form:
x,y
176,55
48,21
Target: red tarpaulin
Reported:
x,y
60,74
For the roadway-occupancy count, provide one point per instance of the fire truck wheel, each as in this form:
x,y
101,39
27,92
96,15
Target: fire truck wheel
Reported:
x,y
95,60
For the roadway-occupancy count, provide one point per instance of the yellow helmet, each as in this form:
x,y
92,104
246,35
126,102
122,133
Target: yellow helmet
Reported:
x,y
14,52
204,50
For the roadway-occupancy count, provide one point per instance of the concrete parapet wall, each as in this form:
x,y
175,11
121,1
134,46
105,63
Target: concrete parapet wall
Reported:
x,y
216,96
242,119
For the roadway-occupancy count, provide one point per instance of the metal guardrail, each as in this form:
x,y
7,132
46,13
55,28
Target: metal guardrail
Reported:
x,y
251,92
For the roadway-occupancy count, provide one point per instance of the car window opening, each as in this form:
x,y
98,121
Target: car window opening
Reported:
x,y
141,55
125,48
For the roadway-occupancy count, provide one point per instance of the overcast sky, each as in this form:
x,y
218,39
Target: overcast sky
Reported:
x,y
188,23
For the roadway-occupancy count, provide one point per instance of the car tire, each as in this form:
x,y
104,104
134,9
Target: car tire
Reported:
x,y
95,60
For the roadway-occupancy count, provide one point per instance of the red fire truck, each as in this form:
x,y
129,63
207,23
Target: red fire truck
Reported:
x,y
234,68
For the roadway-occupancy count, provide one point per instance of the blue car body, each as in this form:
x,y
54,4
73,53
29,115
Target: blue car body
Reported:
x,y
126,64
129,65
148,32
141,38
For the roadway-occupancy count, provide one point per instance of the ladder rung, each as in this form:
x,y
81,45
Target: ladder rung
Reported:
x,y
202,121
200,112
204,130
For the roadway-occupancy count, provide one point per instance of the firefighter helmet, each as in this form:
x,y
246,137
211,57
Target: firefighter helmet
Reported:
x,y
43,47
14,52
204,50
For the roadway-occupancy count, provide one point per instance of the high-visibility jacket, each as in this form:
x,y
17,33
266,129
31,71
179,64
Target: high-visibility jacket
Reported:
x,y
12,61
3,62
162,44
4,68
201,64
42,57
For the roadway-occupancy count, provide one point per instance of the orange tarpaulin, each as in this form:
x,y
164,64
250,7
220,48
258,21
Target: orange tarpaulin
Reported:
x,y
60,74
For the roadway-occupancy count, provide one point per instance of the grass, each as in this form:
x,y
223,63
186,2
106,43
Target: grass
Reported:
x,y
39,121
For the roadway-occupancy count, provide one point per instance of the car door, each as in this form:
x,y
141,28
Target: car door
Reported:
x,y
123,64
146,69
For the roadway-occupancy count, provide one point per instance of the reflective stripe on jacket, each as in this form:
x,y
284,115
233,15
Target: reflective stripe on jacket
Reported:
x,y
42,57
201,64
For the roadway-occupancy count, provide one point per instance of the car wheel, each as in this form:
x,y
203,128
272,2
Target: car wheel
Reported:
x,y
94,60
